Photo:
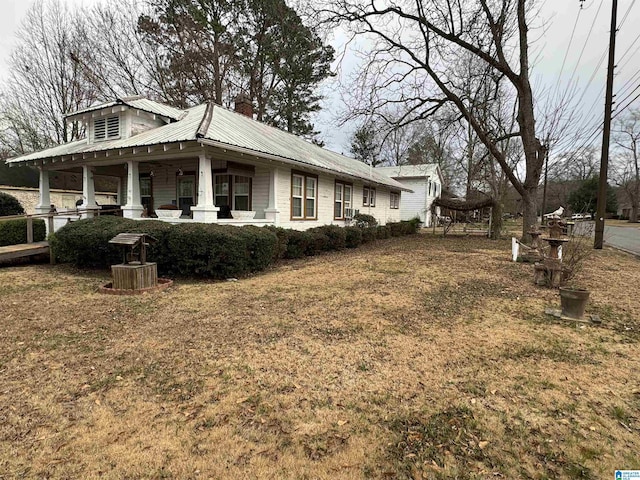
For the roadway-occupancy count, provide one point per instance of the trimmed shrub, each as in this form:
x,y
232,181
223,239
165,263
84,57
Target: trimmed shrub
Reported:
x,y
405,227
262,246
319,242
159,251
383,231
368,234
353,236
282,235
396,229
298,244
85,242
336,236
363,220
9,205
13,232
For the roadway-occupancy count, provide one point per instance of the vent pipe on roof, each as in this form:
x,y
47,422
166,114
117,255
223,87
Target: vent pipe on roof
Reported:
x,y
243,105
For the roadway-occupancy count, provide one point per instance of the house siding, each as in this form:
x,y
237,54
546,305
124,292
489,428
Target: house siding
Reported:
x,y
415,204
326,195
260,191
164,192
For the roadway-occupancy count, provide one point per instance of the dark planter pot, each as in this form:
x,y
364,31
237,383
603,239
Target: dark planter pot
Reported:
x,y
573,302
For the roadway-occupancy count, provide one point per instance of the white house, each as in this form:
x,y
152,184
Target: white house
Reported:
x,y
425,181
216,166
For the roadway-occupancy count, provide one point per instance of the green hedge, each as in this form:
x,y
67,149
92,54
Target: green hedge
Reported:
x,y
353,236
13,232
207,250
204,250
9,205
369,234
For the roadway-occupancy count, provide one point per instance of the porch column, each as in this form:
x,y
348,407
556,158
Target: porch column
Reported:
x,y
272,213
133,207
88,192
205,211
44,205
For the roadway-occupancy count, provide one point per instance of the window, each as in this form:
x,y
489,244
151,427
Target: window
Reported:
x,y
241,193
146,192
304,195
106,128
186,190
369,197
221,191
342,201
394,200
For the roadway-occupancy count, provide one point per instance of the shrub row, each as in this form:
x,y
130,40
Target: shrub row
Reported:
x,y
13,232
209,250
194,249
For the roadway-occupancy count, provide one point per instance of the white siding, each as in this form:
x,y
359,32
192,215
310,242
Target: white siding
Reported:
x,y
260,191
326,195
414,204
417,203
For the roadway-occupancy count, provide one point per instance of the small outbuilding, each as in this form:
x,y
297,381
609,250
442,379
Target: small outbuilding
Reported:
x,y
425,181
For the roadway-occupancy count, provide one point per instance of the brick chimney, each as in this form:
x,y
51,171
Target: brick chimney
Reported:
x,y
243,105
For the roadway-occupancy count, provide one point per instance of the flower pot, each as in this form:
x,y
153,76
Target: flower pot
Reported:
x,y
243,214
168,213
573,302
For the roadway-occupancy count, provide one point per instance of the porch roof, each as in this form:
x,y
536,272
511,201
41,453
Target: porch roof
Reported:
x,y
213,125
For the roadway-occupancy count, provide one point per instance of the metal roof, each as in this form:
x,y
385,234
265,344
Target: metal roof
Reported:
x,y
241,131
213,123
411,171
181,131
139,103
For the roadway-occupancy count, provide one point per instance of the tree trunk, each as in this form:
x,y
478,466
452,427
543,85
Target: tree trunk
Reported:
x,y
529,212
496,220
633,216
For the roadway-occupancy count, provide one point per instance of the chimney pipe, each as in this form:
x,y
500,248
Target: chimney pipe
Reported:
x,y
243,105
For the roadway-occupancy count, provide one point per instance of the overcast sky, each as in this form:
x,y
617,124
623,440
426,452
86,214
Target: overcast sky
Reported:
x,y
552,45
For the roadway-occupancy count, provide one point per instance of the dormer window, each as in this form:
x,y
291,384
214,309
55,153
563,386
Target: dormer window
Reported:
x,y
106,128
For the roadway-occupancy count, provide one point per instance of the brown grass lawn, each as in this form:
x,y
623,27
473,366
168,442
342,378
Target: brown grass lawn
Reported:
x,y
419,357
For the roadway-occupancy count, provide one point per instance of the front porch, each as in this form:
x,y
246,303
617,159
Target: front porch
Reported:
x,y
183,188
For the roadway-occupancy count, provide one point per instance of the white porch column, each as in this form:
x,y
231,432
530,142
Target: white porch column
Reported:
x,y
272,213
133,207
88,192
44,205
205,211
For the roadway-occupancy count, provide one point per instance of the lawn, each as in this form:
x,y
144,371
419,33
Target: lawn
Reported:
x,y
415,357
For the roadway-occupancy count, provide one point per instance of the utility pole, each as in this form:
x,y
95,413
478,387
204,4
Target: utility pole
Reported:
x,y
606,133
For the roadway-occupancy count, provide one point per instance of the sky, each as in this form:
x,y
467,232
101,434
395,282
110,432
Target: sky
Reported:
x,y
554,41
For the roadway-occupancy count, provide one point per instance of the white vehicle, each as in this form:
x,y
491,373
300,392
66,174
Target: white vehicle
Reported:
x,y
580,216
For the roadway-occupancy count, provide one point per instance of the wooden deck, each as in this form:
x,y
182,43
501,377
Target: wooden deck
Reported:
x,y
23,250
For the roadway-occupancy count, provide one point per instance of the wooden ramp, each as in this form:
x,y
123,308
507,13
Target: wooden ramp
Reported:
x,y
23,250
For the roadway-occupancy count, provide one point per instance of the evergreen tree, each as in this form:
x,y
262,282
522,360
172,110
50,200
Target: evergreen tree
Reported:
x,y
585,198
365,146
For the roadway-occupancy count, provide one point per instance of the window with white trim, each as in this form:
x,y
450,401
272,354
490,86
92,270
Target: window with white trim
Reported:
x,y
106,128
304,196
369,197
343,201
394,200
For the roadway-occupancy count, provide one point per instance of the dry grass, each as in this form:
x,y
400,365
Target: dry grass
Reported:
x,y
411,358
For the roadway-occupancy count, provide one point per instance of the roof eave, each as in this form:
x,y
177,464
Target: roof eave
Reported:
x,y
269,156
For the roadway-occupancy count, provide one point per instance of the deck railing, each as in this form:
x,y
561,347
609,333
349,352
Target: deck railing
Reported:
x,y
49,216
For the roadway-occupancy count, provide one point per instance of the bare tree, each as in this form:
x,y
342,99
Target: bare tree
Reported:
x,y
415,39
627,164
44,82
